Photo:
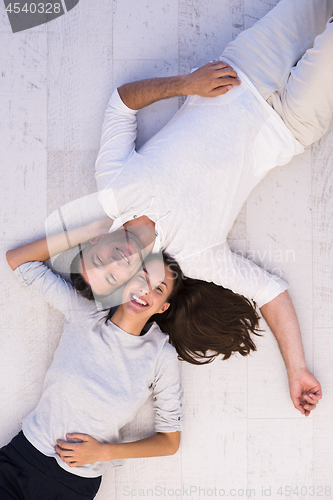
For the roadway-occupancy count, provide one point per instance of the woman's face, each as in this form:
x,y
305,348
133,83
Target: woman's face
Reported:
x,y
147,292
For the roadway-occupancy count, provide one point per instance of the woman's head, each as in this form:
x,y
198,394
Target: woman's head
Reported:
x,y
152,290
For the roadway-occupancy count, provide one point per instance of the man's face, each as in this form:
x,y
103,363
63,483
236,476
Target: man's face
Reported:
x,y
111,260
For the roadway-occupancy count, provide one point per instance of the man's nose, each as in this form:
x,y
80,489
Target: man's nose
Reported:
x,y
145,287
144,290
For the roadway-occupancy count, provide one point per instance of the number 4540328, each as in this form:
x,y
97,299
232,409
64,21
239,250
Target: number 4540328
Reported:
x,y
41,8
310,491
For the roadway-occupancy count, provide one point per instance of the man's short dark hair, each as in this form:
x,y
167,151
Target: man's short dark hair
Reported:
x,y
78,280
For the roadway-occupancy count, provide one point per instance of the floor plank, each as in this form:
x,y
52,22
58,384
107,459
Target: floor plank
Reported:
x,y
241,431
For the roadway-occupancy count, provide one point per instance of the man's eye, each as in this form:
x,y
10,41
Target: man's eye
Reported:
x,y
98,261
111,280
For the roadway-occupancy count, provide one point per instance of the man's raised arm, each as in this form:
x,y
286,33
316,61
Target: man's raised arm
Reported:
x,y
211,80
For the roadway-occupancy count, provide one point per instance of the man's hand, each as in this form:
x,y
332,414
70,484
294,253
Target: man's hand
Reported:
x,y
211,80
87,452
305,392
100,227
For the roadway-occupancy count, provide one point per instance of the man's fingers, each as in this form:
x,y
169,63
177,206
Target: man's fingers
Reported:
x,y
312,398
217,64
309,407
317,394
299,407
223,73
228,83
220,91
224,82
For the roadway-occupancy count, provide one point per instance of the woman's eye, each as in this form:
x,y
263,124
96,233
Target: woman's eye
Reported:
x,y
159,289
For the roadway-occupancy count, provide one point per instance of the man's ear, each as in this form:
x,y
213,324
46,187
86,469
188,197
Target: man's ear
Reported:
x,y
93,241
165,306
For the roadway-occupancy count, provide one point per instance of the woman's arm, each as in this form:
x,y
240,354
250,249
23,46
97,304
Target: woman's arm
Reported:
x,y
45,248
91,450
305,390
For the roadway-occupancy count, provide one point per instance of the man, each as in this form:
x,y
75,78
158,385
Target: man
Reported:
x,y
106,263
190,180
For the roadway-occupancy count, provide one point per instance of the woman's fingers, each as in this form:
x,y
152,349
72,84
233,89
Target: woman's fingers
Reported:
x,y
63,452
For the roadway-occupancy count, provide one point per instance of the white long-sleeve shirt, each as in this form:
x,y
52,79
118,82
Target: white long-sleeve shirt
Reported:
x,y
100,375
193,177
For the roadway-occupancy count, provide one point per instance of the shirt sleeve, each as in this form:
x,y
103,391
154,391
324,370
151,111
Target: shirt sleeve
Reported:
x,y
223,267
244,277
55,290
167,392
117,142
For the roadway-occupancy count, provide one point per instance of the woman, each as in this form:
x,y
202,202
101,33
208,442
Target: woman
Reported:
x,y
102,372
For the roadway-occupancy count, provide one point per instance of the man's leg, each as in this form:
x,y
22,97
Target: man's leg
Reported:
x,y
267,51
306,103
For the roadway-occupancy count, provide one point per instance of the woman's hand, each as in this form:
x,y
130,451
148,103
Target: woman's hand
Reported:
x,y
211,80
305,392
87,452
91,450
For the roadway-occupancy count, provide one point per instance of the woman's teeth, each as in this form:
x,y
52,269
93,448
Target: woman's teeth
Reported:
x,y
138,300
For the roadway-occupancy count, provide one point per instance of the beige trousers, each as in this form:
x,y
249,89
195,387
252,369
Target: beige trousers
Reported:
x,y
288,55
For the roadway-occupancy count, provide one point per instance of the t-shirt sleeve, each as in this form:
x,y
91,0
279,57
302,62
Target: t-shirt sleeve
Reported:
x,y
117,142
244,277
167,392
55,290
223,267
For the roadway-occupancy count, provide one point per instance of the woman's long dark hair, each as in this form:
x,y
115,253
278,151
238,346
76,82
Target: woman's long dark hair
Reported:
x,y
206,320
203,320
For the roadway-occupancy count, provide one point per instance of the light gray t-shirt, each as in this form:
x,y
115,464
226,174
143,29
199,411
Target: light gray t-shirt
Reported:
x,y
100,375
193,177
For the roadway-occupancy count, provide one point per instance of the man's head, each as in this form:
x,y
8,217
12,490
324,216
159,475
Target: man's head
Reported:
x,y
110,260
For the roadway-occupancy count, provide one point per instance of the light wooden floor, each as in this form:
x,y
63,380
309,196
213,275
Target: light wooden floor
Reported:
x,y
241,430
